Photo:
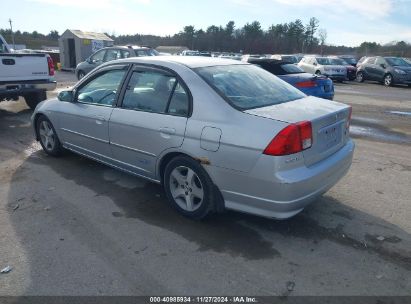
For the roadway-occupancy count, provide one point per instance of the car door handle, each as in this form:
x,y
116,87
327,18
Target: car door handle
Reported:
x,y
168,131
100,119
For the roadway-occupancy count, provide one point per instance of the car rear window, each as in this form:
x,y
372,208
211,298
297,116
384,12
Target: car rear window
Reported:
x,y
247,86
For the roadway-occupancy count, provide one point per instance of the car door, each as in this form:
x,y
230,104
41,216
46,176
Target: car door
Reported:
x,y
380,68
84,122
369,68
150,119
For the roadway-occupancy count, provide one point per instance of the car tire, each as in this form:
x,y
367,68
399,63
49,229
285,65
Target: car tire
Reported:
x,y
189,188
48,137
80,75
360,77
388,80
33,99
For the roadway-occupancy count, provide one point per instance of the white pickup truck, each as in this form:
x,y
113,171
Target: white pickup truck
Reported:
x,y
25,75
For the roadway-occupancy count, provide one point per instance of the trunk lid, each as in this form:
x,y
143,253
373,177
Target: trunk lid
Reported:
x,y
23,67
329,121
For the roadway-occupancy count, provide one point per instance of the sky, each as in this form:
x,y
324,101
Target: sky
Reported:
x,y
348,22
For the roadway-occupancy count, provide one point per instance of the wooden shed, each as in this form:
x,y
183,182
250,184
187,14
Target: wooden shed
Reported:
x,y
76,46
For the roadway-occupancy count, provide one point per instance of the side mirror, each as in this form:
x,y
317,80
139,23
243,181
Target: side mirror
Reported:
x,y
315,63
89,60
383,65
66,96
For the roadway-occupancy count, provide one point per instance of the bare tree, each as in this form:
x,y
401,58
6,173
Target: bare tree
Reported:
x,y
322,35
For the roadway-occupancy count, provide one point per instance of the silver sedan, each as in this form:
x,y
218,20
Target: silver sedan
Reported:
x,y
217,134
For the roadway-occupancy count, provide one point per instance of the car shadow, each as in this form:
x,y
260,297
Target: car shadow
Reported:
x,y
237,235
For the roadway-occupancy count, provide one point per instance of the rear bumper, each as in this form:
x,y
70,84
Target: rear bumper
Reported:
x,y
283,194
21,88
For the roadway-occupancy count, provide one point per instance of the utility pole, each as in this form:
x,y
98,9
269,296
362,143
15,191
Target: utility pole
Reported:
x,y
12,34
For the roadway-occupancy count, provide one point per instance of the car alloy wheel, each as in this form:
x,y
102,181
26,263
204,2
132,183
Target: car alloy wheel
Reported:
x,y
189,188
186,188
47,136
388,80
360,77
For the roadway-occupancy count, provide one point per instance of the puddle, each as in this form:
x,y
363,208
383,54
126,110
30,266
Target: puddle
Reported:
x,y
400,113
377,134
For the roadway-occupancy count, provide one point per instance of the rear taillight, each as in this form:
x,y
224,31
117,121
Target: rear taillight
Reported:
x,y
349,118
292,139
51,65
306,84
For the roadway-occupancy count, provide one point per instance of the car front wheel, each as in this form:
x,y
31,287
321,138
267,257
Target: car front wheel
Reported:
x,y
388,81
48,137
360,77
188,187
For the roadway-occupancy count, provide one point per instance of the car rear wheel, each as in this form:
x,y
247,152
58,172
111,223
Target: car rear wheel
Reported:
x,y
33,99
388,81
188,187
48,137
360,77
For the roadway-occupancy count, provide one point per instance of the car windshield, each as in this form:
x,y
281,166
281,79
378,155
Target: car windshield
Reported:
x,y
324,61
397,61
349,60
338,61
291,59
292,69
2,47
152,52
248,86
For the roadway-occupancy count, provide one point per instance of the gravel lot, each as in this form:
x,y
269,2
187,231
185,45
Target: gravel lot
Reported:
x,y
70,226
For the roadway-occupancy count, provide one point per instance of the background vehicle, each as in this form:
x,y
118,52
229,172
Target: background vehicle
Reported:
x,y
387,70
349,59
216,133
25,75
351,70
190,53
286,58
323,66
310,84
112,53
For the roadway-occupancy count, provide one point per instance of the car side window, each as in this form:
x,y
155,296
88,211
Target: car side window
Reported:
x,y
98,57
371,60
125,54
380,61
101,90
141,53
156,92
179,102
112,54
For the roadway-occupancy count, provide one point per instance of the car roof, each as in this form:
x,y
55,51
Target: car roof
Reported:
x,y
127,47
189,61
267,60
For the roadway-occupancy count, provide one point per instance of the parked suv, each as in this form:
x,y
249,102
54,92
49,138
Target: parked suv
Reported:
x,y
323,66
387,70
112,53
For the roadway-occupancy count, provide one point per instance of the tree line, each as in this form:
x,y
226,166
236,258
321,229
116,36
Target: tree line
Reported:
x,y
282,38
